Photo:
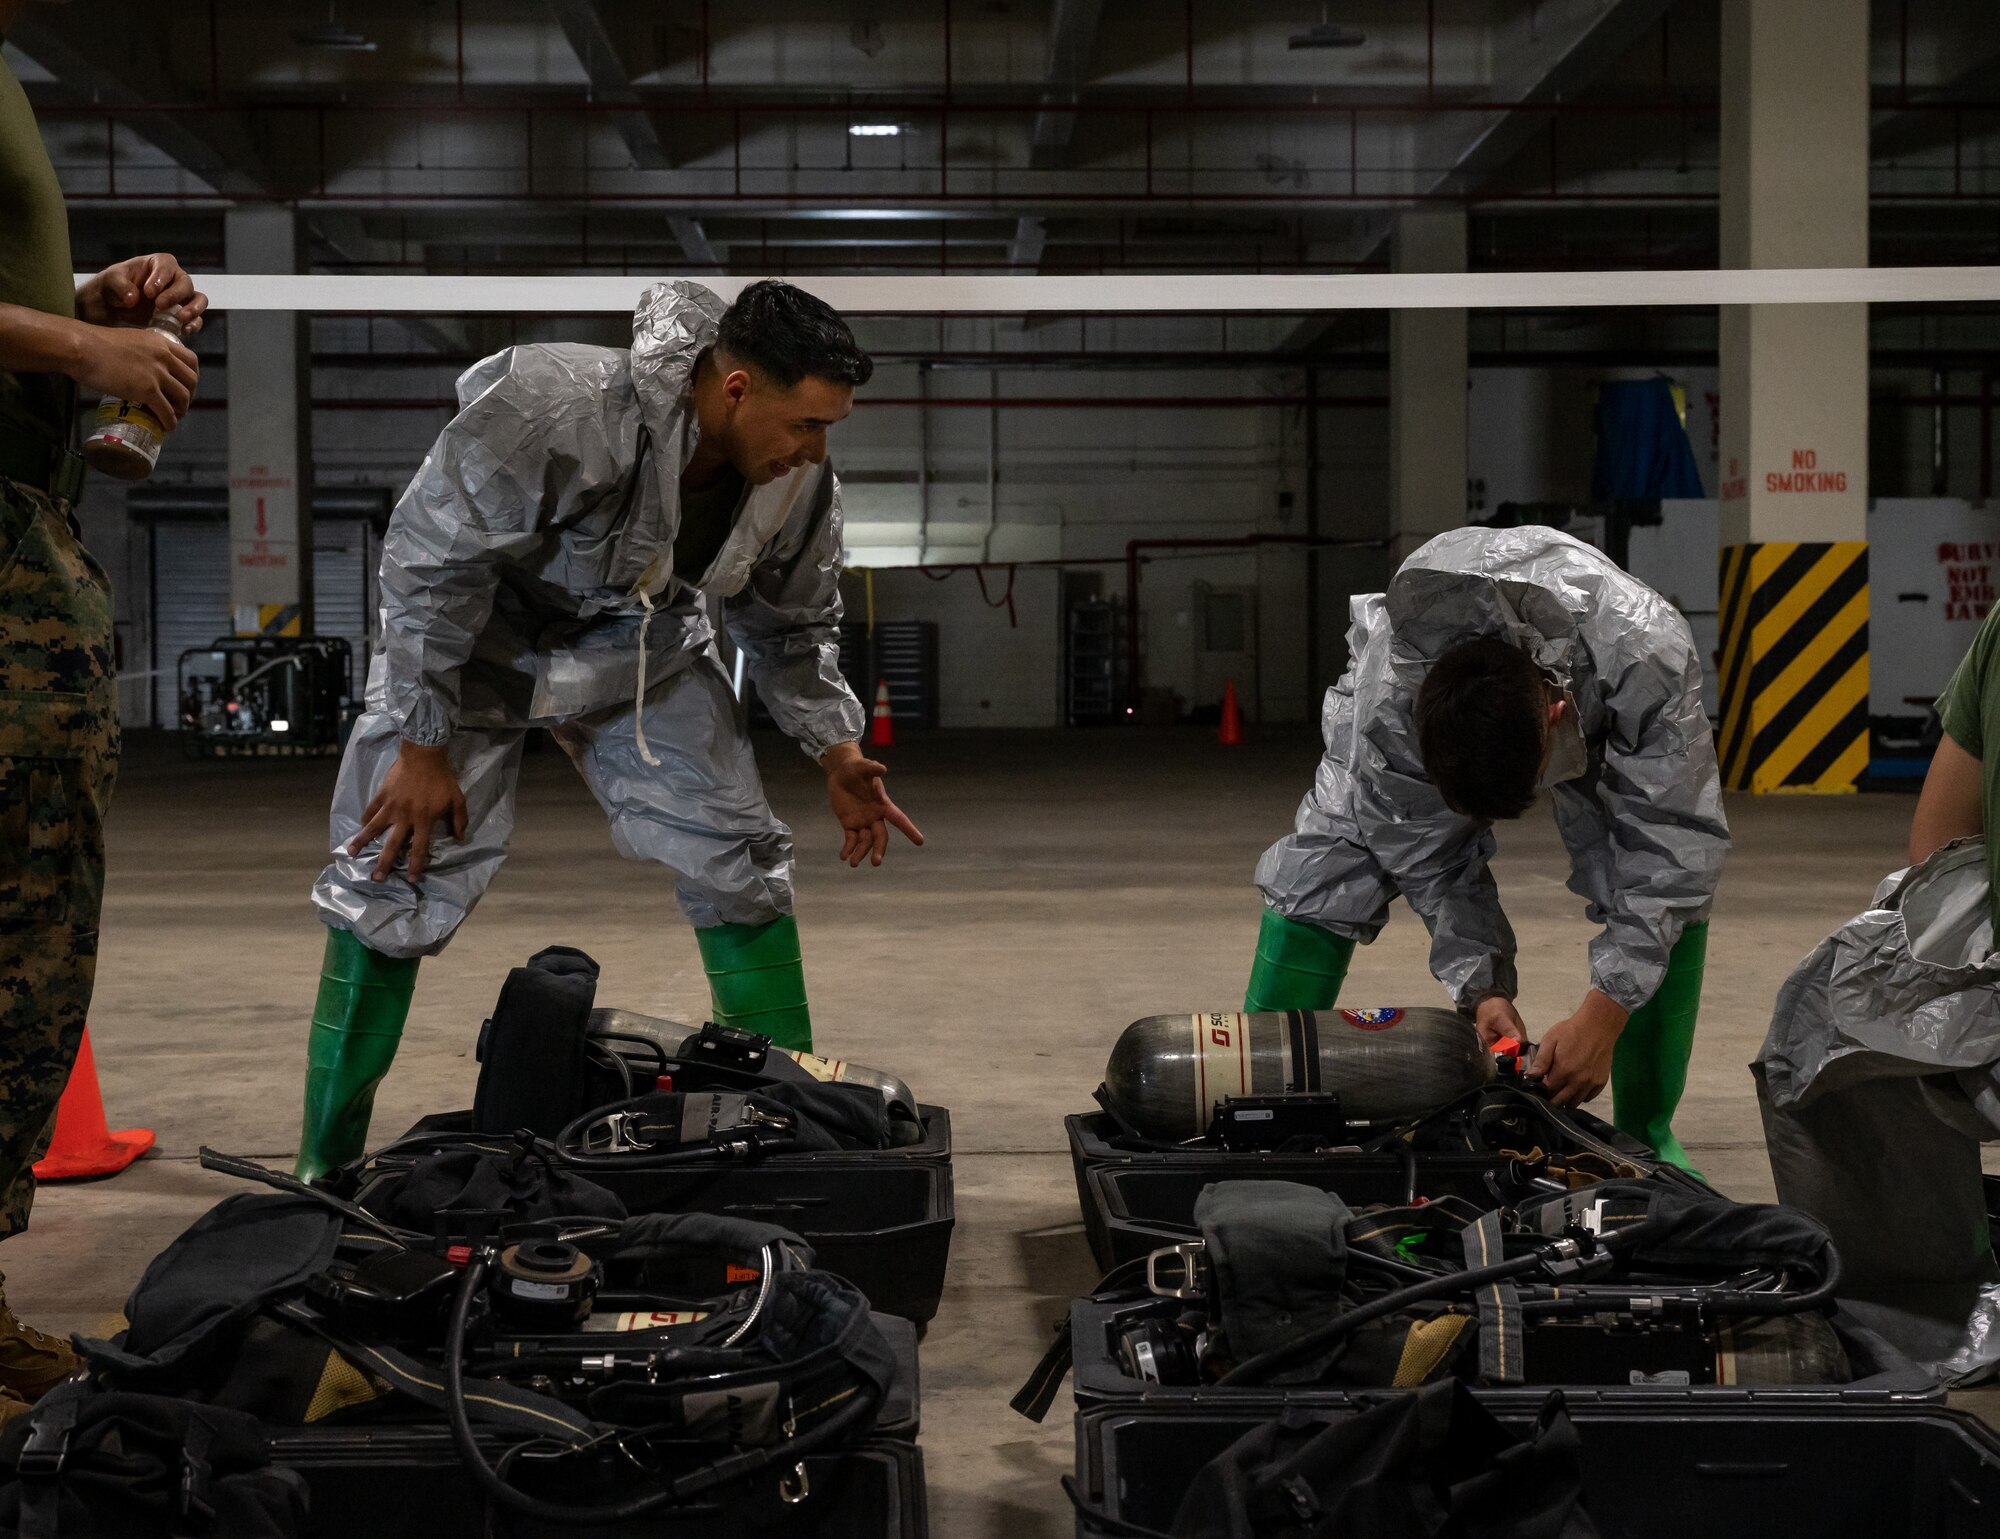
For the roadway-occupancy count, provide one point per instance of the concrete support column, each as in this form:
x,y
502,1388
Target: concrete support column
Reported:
x,y
1794,400
1427,386
270,424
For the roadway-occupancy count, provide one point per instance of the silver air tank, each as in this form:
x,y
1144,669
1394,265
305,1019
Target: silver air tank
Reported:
x,y
1168,1072
897,1096
672,1036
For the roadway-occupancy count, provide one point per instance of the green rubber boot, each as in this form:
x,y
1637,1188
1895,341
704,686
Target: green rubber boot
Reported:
x,y
364,998
1649,1067
757,979
1298,966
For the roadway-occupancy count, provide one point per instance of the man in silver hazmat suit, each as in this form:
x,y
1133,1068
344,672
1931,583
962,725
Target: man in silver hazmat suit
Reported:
x,y
1502,663
549,567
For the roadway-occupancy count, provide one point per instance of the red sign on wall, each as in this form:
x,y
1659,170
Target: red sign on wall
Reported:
x,y
1968,576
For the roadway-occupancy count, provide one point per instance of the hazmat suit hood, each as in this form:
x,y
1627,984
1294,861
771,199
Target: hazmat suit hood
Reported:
x,y
1643,821
672,326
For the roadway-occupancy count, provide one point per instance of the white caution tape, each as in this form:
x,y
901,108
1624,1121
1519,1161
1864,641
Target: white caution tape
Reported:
x,y
430,294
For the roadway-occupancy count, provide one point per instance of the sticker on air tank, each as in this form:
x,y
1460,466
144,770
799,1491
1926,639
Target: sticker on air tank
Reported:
x,y
1372,1020
643,1319
1221,1061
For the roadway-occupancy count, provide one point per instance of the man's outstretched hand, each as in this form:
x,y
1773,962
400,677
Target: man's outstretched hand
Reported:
x,y
861,804
1573,1059
417,794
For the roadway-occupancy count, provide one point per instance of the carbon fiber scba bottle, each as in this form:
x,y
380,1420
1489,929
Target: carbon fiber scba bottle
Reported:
x,y
1167,1073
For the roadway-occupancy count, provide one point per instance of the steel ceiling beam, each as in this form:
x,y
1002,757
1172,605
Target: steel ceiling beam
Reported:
x,y
216,149
583,26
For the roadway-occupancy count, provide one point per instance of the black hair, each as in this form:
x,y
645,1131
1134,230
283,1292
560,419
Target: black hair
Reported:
x,y
787,334
1481,716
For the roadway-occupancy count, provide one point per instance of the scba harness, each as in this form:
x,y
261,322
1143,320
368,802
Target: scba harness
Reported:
x,y
590,1367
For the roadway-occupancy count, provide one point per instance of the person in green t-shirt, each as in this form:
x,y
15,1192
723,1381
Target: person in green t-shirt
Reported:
x,y
58,689
1961,795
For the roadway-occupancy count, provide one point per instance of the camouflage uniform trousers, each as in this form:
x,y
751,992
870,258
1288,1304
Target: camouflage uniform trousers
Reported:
x,y
58,758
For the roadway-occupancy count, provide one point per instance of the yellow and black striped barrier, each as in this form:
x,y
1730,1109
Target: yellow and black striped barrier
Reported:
x,y
1794,666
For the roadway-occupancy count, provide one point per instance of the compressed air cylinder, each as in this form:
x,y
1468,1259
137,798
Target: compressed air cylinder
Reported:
x,y
1167,1073
673,1036
897,1096
1785,1349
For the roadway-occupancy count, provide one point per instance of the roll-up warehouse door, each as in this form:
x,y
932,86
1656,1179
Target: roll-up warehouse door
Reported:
x,y
190,600
190,562
346,552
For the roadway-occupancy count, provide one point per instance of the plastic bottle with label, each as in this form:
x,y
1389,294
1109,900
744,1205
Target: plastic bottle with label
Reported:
x,y
125,438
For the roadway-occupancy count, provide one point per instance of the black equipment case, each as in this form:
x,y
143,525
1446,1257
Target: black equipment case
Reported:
x,y
408,1483
1747,1470
882,1219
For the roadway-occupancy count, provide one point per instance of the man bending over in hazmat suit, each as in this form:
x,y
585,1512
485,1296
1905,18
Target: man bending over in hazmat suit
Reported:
x,y
1501,663
548,567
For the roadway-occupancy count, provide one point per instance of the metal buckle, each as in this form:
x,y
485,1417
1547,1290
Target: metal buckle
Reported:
x,y
614,1129
1192,1257
197,1490
795,1487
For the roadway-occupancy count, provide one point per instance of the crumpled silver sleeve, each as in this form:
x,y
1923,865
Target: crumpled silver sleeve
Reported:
x,y
1651,829
787,621
1878,1081
533,439
1373,826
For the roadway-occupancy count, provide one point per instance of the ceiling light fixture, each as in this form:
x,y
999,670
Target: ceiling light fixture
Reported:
x,y
1328,34
875,130
332,36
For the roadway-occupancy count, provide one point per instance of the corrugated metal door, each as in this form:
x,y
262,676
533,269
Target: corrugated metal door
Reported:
x,y
346,552
190,601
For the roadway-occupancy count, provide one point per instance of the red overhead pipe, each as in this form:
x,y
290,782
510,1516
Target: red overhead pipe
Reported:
x,y
1430,51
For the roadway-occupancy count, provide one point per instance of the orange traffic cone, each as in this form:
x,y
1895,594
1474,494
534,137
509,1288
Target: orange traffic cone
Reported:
x,y
883,735
1232,719
83,1145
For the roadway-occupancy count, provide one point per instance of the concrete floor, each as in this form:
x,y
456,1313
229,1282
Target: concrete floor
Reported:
x,y
1071,883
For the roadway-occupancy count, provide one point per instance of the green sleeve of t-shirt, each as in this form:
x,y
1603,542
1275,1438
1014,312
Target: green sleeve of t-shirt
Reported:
x,y
1963,705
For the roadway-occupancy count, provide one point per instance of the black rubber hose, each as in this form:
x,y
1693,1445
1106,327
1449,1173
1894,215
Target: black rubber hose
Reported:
x,y
659,1052
1408,1156
1256,1369
1716,1301
676,1494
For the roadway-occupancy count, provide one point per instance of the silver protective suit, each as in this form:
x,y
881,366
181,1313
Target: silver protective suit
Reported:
x,y
527,581
1878,1082
1642,820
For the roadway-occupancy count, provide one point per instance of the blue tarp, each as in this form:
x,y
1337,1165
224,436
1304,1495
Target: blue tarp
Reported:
x,y
1643,452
